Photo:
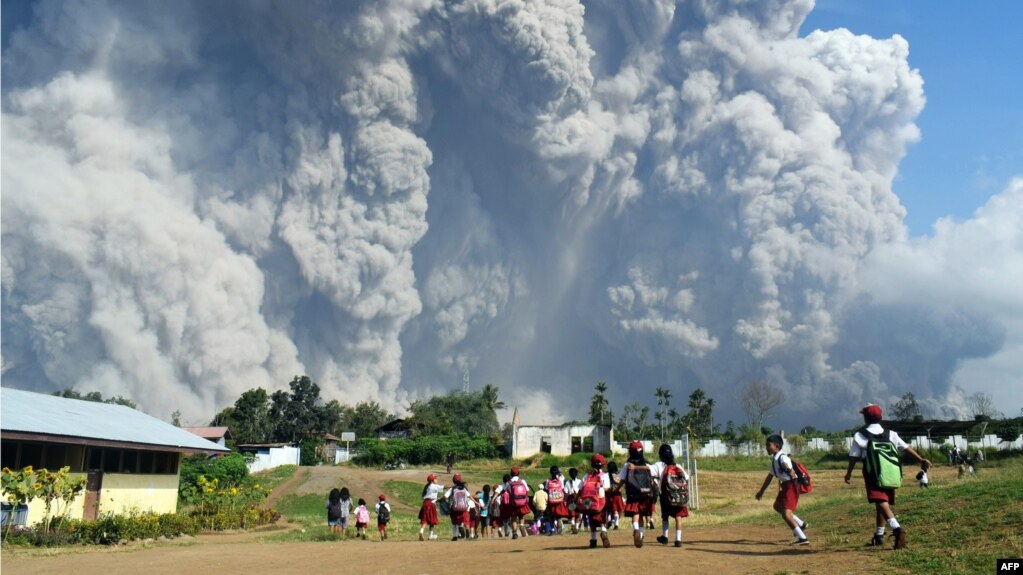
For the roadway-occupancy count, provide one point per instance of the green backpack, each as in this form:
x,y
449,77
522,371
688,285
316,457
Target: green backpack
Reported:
x,y
882,464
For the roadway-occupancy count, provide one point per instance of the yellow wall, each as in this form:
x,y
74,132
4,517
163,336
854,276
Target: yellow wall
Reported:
x,y
121,493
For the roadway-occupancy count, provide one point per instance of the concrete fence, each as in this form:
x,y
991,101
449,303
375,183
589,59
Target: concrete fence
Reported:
x,y
718,448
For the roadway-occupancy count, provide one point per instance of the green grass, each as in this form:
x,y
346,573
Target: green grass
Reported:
x,y
954,527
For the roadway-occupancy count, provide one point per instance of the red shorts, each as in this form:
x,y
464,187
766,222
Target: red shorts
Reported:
x,y
460,518
877,494
641,508
428,513
521,510
788,495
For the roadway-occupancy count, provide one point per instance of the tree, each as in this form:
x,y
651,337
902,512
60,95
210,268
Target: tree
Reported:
x,y
293,415
907,409
600,409
470,413
249,419
95,396
489,397
759,399
176,418
982,406
364,419
663,399
699,420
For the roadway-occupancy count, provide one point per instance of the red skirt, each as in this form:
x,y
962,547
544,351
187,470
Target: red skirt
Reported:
x,y
641,508
557,509
617,504
428,513
672,511
521,510
460,518
788,495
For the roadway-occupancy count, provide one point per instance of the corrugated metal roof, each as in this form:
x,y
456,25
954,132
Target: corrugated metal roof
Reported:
x,y
29,412
208,432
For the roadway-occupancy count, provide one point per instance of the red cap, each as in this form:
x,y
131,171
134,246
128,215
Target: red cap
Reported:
x,y
383,497
457,478
872,411
636,446
597,459
431,477
515,470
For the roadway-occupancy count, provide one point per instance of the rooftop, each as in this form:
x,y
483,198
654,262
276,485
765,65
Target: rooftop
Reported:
x,y
29,415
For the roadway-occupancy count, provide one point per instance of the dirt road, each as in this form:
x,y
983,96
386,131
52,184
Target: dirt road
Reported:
x,y
707,549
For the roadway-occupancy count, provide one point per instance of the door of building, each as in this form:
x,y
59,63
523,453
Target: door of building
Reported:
x,y
93,485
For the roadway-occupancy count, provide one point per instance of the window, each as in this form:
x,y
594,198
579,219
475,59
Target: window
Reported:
x,y
577,444
55,455
545,445
111,460
146,462
129,461
588,444
94,458
9,454
31,454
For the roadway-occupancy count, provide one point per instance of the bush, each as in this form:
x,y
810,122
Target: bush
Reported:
x,y
229,470
428,449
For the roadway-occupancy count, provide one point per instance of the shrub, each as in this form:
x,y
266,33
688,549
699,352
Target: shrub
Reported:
x,y
229,470
428,449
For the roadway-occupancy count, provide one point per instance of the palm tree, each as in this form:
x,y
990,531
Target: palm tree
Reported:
x,y
489,396
663,399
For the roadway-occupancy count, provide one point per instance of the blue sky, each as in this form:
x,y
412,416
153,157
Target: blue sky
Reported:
x,y
971,59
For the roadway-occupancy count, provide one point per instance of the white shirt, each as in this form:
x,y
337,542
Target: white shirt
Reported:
x,y
383,504
858,449
514,477
433,491
572,486
779,463
657,470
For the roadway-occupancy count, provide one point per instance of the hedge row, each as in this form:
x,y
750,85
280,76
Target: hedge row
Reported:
x,y
429,449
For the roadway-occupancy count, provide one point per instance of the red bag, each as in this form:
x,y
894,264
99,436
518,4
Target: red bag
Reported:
x,y
590,502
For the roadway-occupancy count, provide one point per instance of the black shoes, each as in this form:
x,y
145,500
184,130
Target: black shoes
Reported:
x,y
803,541
876,541
900,538
662,540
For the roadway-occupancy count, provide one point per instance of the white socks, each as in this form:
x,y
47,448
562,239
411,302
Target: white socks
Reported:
x,y
798,533
664,528
678,535
893,523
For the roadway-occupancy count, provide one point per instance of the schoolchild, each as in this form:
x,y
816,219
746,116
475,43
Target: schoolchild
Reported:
x,y
484,498
615,503
361,519
667,471
494,513
506,506
428,512
787,500
571,494
518,495
883,498
557,499
591,498
458,497
922,478
334,513
541,506
640,491
346,509
383,510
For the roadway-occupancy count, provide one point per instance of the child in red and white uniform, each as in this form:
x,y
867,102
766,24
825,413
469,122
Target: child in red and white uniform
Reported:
x,y
787,500
361,519
660,470
557,499
571,493
459,498
383,510
639,505
518,505
428,511
496,513
598,479
615,506
882,498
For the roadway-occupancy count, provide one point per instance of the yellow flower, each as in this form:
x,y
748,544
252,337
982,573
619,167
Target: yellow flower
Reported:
x,y
6,470
27,469
234,491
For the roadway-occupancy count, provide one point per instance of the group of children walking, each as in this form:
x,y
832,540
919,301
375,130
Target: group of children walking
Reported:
x,y
606,494
340,509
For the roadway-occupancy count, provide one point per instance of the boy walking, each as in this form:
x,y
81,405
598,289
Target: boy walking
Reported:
x,y
788,490
868,441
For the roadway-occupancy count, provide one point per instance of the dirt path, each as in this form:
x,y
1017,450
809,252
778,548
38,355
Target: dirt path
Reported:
x,y
714,549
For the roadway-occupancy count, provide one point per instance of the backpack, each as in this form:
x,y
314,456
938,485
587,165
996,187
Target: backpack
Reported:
x,y
519,492
495,506
674,487
383,513
639,484
459,501
444,507
801,476
334,512
882,463
555,491
589,500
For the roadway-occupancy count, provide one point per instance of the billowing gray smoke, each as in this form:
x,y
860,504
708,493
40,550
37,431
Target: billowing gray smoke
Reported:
x,y
203,198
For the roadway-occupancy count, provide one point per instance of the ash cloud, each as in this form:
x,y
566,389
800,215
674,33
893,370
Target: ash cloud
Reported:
x,y
199,199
